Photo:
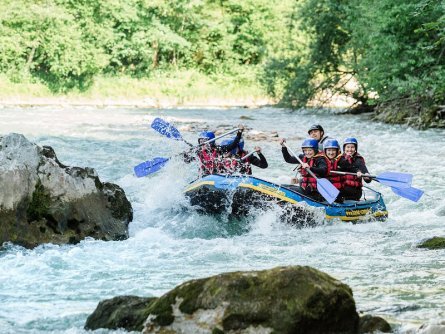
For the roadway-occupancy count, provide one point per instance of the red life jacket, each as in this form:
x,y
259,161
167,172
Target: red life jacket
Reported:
x,y
335,179
245,166
207,161
307,180
228,165
352,180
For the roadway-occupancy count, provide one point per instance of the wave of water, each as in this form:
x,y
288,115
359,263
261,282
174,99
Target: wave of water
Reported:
x,y
52,289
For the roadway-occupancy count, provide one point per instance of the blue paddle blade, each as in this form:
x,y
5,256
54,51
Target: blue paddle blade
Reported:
x,y
411,193
166,129
393,179
150,166
327,190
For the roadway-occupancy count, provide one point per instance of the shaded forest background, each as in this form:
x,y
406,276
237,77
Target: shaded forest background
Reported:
x,y
387,56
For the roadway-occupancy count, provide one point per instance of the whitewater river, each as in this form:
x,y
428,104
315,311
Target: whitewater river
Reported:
x,y
52,289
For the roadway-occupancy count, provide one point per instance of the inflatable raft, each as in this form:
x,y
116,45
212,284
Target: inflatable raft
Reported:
x,y
215,194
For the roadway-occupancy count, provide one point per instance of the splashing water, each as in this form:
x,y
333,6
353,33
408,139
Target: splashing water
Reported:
x,y
52,289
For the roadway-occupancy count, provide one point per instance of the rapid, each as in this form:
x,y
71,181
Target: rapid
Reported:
x,y
52,289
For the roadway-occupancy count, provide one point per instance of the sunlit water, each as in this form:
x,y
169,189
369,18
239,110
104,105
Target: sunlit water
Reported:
x,y
52,289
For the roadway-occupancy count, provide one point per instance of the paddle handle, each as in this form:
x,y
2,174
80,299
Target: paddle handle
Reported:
x,y
247,155
299,160
348,173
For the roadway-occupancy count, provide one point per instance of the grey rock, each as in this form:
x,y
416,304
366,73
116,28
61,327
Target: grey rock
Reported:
x,y
44,201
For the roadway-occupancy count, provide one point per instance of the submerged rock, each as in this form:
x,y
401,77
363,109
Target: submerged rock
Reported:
x,y
44,201
433,243
128,312
281,300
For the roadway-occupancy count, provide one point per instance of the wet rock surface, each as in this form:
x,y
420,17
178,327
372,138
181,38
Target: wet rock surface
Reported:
x,y
292,299
128,312
433,243
44,201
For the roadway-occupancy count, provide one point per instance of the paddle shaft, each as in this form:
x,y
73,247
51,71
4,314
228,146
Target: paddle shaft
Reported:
x,y
349,173
208,141
299,160
220,136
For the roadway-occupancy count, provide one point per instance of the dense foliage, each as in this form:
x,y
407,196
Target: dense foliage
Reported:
x,y
384,53
67,42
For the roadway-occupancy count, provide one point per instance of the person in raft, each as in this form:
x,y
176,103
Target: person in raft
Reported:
x,y
233,162
333,154
351,161
316,131
312,159
210,154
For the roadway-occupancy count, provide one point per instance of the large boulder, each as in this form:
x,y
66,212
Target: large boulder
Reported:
x,y
281,300
43,201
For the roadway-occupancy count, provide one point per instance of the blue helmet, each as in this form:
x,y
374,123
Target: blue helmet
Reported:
x,y
207,135
350,140
310,143
227,142
331,143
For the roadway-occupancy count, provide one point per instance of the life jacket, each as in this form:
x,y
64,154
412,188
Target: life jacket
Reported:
x,y
308,182
245,166
335,179
352,180
228,165
207,160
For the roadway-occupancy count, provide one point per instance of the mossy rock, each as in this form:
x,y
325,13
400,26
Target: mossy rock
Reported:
x,y
433,243
128,312
281,300
371,324
39,204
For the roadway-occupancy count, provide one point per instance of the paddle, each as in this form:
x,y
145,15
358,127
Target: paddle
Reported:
x,y
247,155
411,193
150,166
390,179
167,129
324,186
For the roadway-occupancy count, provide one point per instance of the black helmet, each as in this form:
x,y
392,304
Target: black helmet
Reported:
x,y
315,127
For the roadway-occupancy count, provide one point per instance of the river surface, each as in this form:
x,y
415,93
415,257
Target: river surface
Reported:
x,y
52,289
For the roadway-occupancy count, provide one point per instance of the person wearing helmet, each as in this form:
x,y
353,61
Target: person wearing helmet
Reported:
x,y
316,131
206,136
351,161
208,153
312,159
235,161
332,152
